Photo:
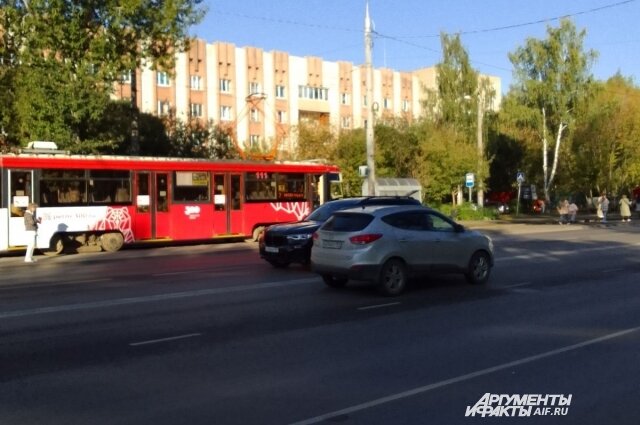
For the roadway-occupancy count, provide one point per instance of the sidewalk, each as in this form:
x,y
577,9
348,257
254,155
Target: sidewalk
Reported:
x,y
613,219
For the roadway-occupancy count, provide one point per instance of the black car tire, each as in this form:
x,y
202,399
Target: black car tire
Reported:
x,y
479,268
334,282
393,278
279,264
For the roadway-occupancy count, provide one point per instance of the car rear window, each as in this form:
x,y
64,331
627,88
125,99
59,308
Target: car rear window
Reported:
x,y
324,212
347,222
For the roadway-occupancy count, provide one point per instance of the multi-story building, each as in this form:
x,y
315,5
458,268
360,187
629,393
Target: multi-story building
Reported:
x,y
263,95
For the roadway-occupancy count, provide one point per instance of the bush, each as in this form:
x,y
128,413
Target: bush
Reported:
x,y
468,211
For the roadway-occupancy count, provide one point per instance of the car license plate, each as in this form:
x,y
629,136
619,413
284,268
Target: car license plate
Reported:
x,y
271,249
331,244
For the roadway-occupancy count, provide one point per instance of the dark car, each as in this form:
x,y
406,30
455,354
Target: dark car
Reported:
x,y
283,244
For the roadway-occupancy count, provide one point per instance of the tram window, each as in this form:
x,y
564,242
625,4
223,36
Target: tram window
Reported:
x,y
63,187
219,193
191,186
161,193
143,192
20,192
109,187
291,187
236,191
260,186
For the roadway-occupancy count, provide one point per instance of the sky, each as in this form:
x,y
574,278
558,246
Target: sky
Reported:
x,y
407,31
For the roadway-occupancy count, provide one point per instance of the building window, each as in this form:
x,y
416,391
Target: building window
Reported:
x,y
254,88
164,107
125,78
196,110
225,113
386,103
225,86
254,139
405,105
364,101
255,115
281,116
163,79
280,92
313,93
196,82
346,122
345,99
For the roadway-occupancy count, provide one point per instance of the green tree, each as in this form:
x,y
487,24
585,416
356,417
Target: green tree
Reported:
x,y
350,153
551,79
193,139
605,146
443,160
314,142
457,83
396,149
84,48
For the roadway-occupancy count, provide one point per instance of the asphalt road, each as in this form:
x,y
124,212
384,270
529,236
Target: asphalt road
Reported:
x,y
213,335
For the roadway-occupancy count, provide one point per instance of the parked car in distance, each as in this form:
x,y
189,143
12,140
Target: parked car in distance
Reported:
x,y
389,244
283,244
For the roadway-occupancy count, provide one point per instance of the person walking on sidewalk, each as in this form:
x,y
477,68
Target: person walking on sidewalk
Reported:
x,y
573,210
563,209
625,208
604,206
31,227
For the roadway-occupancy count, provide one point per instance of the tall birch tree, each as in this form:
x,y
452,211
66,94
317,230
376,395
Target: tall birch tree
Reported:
x,y
551,77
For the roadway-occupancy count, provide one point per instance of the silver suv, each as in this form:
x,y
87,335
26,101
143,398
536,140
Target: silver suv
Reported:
x,y
387,245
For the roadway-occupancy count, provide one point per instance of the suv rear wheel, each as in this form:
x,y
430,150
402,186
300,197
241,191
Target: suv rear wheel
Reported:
x,y
393,278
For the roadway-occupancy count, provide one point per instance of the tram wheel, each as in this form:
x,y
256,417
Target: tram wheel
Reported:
x,y
112,242
56,246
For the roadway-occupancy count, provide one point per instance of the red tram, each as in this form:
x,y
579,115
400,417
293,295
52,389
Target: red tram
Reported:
x,y
104,202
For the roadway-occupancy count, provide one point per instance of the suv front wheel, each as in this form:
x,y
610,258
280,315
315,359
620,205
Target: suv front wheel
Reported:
x,y
479,268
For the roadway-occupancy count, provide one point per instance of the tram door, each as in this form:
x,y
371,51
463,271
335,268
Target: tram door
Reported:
x,y
20,195
152,206
227,200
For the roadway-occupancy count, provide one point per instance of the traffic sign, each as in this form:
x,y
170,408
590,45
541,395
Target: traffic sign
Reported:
x,y
470,179
520,177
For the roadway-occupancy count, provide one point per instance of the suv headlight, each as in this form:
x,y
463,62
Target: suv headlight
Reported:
x,y
299,238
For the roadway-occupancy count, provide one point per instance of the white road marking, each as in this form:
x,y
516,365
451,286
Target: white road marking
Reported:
x,y
171,338
551,254
517,285
152,298
462,378
371,307
613,270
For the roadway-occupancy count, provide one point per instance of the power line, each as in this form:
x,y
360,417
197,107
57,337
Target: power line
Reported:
x,y
536,22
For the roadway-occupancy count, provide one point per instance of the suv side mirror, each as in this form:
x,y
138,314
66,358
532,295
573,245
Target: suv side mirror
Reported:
x,y
459,228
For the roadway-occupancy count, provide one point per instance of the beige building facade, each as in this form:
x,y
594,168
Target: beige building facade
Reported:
x,y
262,96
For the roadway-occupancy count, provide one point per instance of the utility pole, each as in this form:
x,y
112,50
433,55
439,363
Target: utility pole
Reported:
x,y
480,192
134,148
368,47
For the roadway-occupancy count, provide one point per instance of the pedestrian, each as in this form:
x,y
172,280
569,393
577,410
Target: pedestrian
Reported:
x,y
573,210
31,227
563,209
604,206
625,208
